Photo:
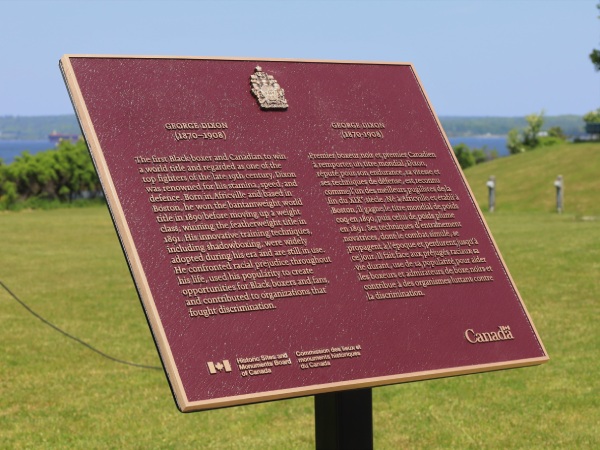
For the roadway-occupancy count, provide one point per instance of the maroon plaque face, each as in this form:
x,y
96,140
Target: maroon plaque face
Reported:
x,y
295,227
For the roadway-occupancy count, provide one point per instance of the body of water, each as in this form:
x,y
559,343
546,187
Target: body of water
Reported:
x,y
10,149
497,143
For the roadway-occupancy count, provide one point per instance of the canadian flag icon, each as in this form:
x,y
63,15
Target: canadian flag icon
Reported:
x,y
219,366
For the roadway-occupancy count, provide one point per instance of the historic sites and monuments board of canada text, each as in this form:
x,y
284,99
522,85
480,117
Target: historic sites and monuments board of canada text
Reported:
x,y
295,227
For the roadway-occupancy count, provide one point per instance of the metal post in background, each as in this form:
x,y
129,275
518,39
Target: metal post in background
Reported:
x,y
344,420
559,185
491,184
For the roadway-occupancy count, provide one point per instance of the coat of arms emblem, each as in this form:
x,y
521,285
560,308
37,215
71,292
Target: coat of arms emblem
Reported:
x,y
267,91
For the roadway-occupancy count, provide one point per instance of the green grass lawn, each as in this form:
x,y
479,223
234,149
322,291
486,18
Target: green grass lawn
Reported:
x,y
69,267
525,182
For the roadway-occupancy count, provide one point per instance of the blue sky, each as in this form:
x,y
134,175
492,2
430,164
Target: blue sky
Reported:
x,y
474,57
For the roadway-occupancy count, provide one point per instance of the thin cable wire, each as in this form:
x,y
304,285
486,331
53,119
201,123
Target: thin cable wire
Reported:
x,y
76,339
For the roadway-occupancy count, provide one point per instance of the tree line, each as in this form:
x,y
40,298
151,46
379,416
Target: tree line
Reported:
x,y
61,175
572,125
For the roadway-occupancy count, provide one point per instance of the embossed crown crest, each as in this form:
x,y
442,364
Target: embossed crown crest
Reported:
x,y
267,91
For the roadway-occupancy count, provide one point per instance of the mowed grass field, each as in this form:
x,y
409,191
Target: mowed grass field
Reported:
x,y
68,266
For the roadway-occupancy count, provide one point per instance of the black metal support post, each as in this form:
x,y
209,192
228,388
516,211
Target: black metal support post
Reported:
x,y
344,420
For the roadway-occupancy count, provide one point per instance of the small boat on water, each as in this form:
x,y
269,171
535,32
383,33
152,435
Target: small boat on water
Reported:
x,y
55,137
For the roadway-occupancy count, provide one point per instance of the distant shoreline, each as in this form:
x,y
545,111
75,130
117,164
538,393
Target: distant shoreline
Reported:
x,y
477,136
11,148
39,127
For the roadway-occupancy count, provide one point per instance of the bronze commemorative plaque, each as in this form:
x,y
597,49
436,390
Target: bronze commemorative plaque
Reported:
x,y
295,227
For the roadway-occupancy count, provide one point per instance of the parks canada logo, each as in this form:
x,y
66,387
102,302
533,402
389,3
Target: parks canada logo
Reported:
x,y
502,334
